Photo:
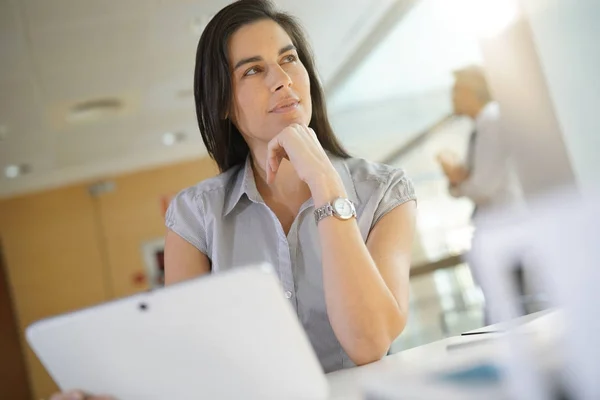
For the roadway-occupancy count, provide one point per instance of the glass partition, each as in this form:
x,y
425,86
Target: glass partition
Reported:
x,y
396,94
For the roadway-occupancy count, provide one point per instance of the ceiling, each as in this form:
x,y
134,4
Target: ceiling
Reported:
x,y
55,54
403,86
417,55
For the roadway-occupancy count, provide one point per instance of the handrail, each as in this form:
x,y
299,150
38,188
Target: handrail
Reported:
x,y
451,260
443,263
417,140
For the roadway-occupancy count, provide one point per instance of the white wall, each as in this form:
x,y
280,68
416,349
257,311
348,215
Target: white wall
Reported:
x,y
544,70
567,36
528,112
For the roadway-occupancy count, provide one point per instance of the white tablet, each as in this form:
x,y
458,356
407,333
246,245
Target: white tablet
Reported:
x,y
225,336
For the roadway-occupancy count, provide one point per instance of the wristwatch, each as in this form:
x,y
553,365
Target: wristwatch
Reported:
x,y
341,208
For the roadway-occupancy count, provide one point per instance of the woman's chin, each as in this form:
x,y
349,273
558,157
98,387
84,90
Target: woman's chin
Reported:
x,y
282,123
292,118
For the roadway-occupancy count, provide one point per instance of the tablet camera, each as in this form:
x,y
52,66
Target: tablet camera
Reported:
x,y
143,306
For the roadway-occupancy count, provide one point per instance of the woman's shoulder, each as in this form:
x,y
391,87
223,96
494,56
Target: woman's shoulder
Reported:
x,y
205,197
363,170
189,211
214,186
379,187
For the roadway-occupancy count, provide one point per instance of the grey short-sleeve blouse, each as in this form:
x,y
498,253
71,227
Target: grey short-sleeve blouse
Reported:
x,y
226,219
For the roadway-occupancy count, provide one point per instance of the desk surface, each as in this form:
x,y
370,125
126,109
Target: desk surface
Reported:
x,y
347,384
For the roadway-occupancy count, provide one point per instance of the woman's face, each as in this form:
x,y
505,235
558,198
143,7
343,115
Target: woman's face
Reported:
x,y
271,87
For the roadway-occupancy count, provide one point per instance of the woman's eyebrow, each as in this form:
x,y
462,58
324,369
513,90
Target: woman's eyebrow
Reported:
x,y
259,58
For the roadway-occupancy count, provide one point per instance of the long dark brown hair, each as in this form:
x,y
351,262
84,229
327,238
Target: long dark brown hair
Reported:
x,y
213,88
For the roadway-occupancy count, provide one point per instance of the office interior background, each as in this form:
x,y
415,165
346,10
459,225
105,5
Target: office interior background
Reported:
x,y
98,131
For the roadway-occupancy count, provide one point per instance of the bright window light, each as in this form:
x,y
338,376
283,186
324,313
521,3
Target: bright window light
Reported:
x,y
482,18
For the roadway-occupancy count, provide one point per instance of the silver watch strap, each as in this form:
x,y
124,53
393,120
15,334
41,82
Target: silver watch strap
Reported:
x,y
323,212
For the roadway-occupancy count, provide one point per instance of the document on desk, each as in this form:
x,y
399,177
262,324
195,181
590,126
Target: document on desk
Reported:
x,y
470,369
480,380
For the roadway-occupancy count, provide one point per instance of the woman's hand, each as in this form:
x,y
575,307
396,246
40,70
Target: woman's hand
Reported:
x,y
78,395
299,144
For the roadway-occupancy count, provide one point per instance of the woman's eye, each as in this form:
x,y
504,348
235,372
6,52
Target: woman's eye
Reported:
x,y
252,71
290,58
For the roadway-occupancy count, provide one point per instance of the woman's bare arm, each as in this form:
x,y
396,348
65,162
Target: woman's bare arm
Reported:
x,y
182,260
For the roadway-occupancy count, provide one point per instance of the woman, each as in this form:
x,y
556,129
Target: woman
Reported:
x,y
338,230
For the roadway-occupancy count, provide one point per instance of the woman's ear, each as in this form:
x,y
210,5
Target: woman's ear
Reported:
x,y
227,113
230,114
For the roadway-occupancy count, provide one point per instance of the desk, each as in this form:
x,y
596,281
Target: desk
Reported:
x,y
347,384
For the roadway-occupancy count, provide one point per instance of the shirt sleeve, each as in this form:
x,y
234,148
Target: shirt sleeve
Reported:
x,y
489,165
396,191
185,217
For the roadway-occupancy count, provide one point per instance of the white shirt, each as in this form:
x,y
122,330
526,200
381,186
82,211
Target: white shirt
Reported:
x,y
226,219
492,182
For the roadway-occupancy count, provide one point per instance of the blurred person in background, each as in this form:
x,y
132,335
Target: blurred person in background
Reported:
x,y
338,230
486,176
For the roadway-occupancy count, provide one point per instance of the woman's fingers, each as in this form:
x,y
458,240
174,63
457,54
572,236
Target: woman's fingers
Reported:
x,y
275,153
297,143
312,134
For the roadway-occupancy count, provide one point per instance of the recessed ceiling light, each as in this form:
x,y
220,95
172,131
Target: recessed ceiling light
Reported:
x,y
170,138
94,109
16,170
184,93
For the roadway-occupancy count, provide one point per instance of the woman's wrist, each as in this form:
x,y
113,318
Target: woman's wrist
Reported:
x,y
325,187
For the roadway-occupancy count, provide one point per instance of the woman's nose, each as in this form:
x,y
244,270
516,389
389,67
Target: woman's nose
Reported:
x,y
280,79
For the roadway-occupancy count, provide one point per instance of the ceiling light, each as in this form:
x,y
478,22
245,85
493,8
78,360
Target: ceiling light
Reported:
x,y
171,138
16,170
94,109
184,93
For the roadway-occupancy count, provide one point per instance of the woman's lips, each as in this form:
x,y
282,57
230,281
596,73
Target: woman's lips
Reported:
x,y
287,107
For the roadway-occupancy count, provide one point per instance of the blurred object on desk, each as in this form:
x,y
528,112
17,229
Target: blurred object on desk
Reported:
x,y
458,368
548,355
558,246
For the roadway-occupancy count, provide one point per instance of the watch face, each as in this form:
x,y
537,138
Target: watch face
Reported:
x,y
343,208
